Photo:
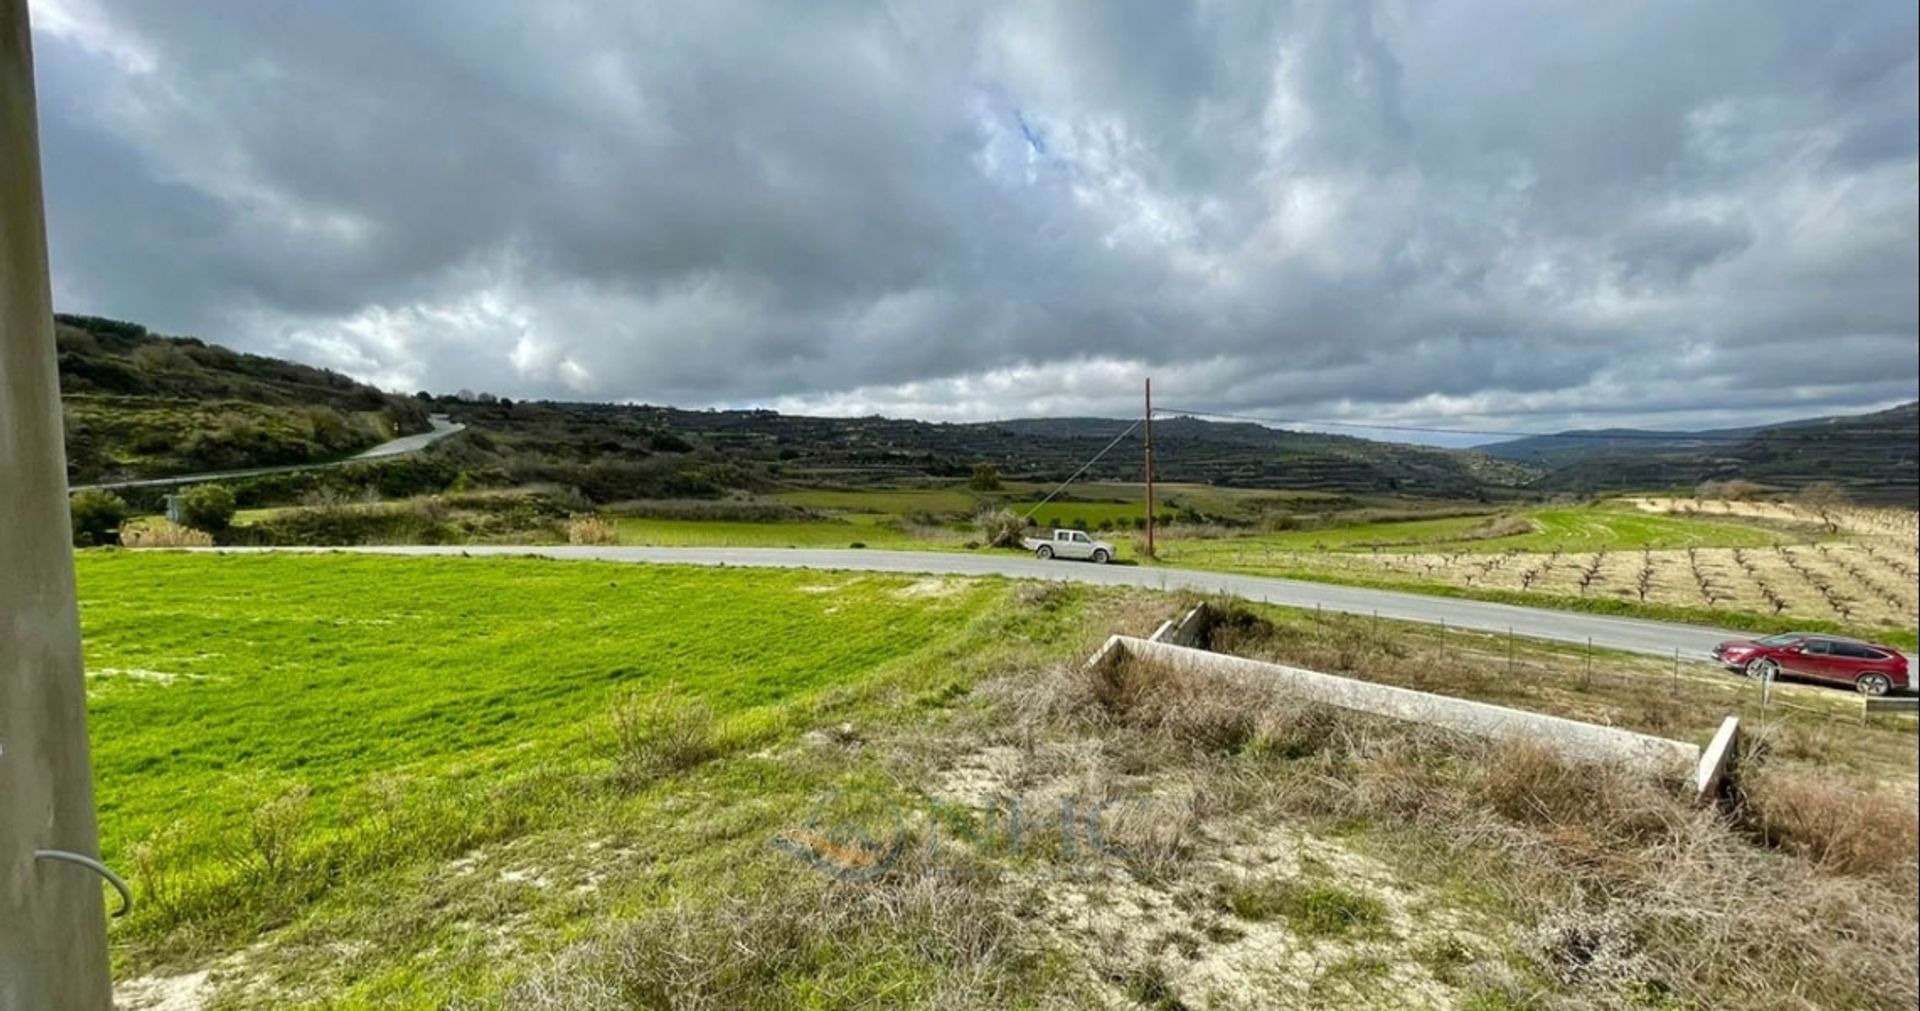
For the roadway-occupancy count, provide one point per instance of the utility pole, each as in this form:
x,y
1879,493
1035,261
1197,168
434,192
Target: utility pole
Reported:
x,y
1150,553
53,936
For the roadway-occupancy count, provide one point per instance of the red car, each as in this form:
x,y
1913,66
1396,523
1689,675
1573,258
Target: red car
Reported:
x,y
1869,667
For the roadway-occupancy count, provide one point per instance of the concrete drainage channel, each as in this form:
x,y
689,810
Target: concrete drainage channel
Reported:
x,y
1703,770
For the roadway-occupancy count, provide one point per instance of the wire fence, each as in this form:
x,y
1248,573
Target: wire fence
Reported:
x,y
1478,662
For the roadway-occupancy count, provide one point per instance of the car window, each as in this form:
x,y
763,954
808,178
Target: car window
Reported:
x,y
1081,538
1819,647
1783,639
1857,651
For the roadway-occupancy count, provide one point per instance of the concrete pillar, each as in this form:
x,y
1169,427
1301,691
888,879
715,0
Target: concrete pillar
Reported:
x,y
53,945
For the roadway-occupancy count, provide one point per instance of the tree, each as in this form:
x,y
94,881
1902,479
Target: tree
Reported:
x,y
1824,499
97,515
208,507
986,477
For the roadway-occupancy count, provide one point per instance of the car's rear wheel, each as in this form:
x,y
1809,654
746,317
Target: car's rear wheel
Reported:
x,y
1100,556
1762,669
1873,684
1045,552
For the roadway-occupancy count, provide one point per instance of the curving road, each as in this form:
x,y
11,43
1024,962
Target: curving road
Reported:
x,y
1630,634
442,427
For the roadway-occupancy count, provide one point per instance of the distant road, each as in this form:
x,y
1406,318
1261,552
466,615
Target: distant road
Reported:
x,y
442,427
1630,634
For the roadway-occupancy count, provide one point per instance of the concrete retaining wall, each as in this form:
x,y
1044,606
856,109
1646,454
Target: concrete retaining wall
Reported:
x,y
1655,756
1187,630
1717,761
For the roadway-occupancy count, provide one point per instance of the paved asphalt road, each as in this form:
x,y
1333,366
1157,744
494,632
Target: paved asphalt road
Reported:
x,y
1630,634
442,427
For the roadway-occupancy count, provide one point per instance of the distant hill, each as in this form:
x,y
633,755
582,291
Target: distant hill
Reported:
x,y
144,405
138,404
1872,455
875,449
1564,448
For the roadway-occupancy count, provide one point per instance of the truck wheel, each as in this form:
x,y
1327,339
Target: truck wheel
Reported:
x,y
1045,552
1100,557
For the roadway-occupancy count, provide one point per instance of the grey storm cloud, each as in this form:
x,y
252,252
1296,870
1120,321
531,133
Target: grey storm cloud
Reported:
x,y
1497,214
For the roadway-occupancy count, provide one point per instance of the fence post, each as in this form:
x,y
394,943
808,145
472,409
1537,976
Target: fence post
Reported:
x,y
1675,690
1586,680
1509,649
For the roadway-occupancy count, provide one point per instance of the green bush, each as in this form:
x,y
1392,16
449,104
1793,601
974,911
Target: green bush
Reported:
x,y
208,507
97,515
986,477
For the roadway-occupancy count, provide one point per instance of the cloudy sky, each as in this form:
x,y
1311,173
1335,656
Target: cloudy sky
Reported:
x,y
1488,215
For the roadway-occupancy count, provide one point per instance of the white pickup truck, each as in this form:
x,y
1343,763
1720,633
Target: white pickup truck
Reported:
x,y
1070,544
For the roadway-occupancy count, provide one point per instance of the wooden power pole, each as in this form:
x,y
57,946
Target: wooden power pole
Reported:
x,y
1149,419
53,931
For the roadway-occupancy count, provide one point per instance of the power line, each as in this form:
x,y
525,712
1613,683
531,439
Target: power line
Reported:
x,y
1592,436
1083,468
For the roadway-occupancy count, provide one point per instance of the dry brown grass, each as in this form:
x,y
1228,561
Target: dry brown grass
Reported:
x,y
934,941
162,534
1839,827
1615,891
592,529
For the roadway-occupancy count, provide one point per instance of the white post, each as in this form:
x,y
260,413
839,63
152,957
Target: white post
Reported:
x,y
53,945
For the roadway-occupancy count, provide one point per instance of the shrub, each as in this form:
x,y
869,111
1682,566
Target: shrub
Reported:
x,y
935,941
650,736
275,831
756,511
162,534
986,477
208,507
592,529
1734,490
1824,499
1839,828
1503,525
97,515
1002,529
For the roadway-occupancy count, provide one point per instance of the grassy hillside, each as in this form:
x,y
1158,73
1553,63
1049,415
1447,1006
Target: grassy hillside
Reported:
x,y
142,405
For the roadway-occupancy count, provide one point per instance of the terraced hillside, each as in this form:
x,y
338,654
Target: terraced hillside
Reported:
x,y
878,450
1875,457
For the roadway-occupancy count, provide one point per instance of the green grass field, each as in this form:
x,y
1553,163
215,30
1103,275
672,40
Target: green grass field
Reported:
x,y
1563,529
437,660
868,530
874,518
408,710
380,782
